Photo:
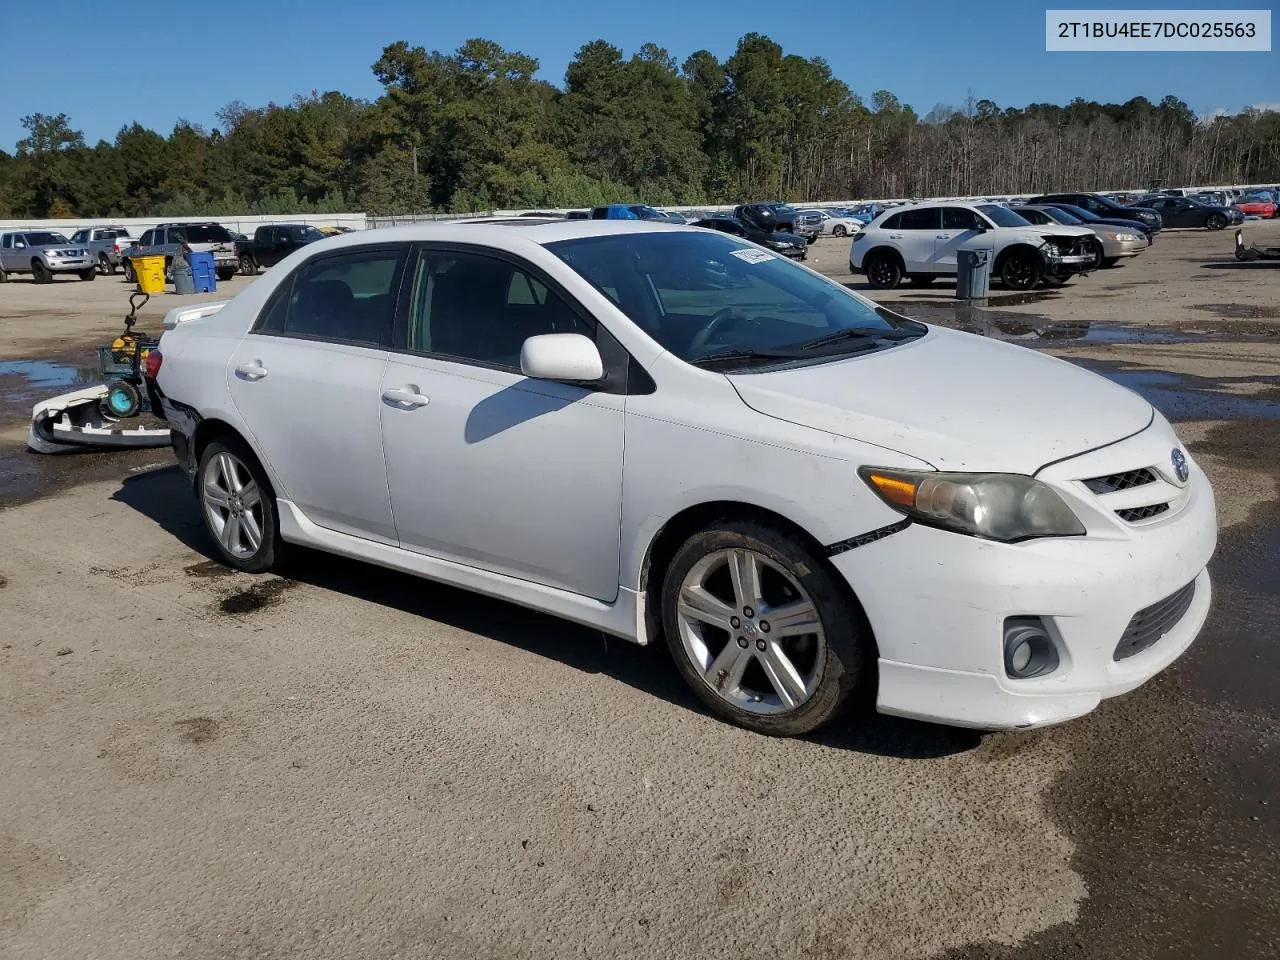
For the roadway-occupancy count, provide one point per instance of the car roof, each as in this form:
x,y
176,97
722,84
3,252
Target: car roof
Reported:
x,y
500,233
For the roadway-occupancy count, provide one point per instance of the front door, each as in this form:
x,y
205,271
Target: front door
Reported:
x,y
959,226
919,231
307,382
488,467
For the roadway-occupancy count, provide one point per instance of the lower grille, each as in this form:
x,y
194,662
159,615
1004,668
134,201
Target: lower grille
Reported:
x,y
1151,623
1136,514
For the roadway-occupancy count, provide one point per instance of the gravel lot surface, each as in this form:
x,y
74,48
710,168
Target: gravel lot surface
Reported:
x,y
345,762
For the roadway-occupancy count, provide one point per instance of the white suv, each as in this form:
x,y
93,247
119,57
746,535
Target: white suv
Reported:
x,y
921,242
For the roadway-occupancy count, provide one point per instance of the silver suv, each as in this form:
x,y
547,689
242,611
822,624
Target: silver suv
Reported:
x,y
43,253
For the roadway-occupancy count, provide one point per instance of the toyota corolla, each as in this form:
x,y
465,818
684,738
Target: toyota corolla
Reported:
x,y
674,435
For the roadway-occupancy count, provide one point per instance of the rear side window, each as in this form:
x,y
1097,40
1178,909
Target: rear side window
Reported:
x,y
928,219
892,223
347,298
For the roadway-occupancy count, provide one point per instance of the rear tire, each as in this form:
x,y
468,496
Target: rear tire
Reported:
x,y
247,267
741,670
238,506
4,275
225,275
884,271
129,275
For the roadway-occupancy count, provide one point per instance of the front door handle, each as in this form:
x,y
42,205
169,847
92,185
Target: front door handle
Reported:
x,y
253,370
895,236
407,396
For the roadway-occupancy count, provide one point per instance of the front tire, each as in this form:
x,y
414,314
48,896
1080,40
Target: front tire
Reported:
x,y
90,274
1109,262
1021,270
40,273
1216,221
839,230
129,275
225,275
238,506
762,630
884,272
247,267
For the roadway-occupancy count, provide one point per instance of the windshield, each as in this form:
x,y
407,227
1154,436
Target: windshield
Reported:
x,y
704,295
206,233
1002,216
1061,216
646,213
1256,198
45,239
1080,213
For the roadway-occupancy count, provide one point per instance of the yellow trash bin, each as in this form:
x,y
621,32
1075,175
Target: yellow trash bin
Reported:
x,y
150,274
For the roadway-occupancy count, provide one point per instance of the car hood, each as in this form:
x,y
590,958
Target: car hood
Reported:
x,y
955,400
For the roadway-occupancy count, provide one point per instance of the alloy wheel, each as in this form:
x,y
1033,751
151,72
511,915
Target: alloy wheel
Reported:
x,y
751,631
233,505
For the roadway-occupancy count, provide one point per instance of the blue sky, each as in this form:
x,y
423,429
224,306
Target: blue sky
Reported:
x,y
926,53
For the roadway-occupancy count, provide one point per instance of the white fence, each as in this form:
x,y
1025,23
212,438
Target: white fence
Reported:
x,y
244,223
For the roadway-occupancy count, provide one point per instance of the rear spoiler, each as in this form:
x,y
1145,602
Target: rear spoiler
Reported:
x,y
187,314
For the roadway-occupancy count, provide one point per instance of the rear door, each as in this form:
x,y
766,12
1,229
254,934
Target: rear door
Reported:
x,y
306,381
7,259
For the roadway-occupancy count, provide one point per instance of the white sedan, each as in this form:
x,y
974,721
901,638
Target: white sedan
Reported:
x,y
672,434
838,225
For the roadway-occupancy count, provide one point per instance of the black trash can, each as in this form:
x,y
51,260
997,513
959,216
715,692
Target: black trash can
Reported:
x,y
973,273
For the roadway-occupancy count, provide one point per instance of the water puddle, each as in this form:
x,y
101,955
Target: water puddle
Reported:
x,y
1183,397
1031,327
22,380
1242,311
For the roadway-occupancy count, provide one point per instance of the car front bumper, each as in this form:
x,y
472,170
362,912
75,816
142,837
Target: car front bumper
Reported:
x,y
70,264
937,603
1123,248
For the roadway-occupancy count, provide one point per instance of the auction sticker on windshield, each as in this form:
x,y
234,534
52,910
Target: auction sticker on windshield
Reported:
x,y
753,256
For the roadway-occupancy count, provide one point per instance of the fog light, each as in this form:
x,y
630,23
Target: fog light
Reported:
x,y
1028,649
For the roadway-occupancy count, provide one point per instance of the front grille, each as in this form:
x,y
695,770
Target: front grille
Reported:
x,y
1136,514
1151,623
1121,481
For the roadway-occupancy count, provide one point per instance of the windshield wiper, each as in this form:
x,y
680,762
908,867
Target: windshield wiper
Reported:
x,y
733,356
869,337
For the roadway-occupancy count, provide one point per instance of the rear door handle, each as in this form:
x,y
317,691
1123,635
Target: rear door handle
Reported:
x,y
895,236
253,370
407,396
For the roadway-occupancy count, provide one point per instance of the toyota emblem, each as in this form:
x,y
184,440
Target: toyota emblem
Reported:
x,y
1180,468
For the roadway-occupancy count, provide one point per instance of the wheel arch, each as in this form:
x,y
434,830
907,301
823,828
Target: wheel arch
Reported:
x,y
1021,246
884,249
215,427
690,520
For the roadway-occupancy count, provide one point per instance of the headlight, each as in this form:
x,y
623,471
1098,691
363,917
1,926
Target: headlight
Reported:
x,y
1121,236
1050,251
996,506
777,244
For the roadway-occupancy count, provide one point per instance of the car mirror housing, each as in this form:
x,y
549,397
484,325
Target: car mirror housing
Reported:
x,y
561,356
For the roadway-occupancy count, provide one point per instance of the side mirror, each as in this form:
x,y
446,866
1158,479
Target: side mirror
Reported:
x,y
980,226
561,356
19,245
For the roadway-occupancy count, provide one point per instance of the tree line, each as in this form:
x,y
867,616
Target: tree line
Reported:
x,y
476,130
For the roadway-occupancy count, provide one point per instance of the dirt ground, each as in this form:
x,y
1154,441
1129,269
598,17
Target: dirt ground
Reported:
x,y
344,762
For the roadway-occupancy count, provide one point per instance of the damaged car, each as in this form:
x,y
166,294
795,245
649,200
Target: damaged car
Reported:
x,y
921,243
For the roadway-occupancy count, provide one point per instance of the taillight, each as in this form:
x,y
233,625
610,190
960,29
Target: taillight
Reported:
x,y
115,248
154,359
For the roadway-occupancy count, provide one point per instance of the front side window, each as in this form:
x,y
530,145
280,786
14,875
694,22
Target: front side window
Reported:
x,y
958,218
1038,217
707,297
147,238
348,298
479,308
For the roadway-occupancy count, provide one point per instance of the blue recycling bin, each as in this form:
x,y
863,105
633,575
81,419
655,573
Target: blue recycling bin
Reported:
x,y
203,273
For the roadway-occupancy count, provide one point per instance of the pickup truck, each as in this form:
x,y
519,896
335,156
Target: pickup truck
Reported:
x,y
43,253
171,240
105,245
272,243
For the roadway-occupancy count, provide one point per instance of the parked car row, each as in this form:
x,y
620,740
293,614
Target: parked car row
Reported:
x,y
922,242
